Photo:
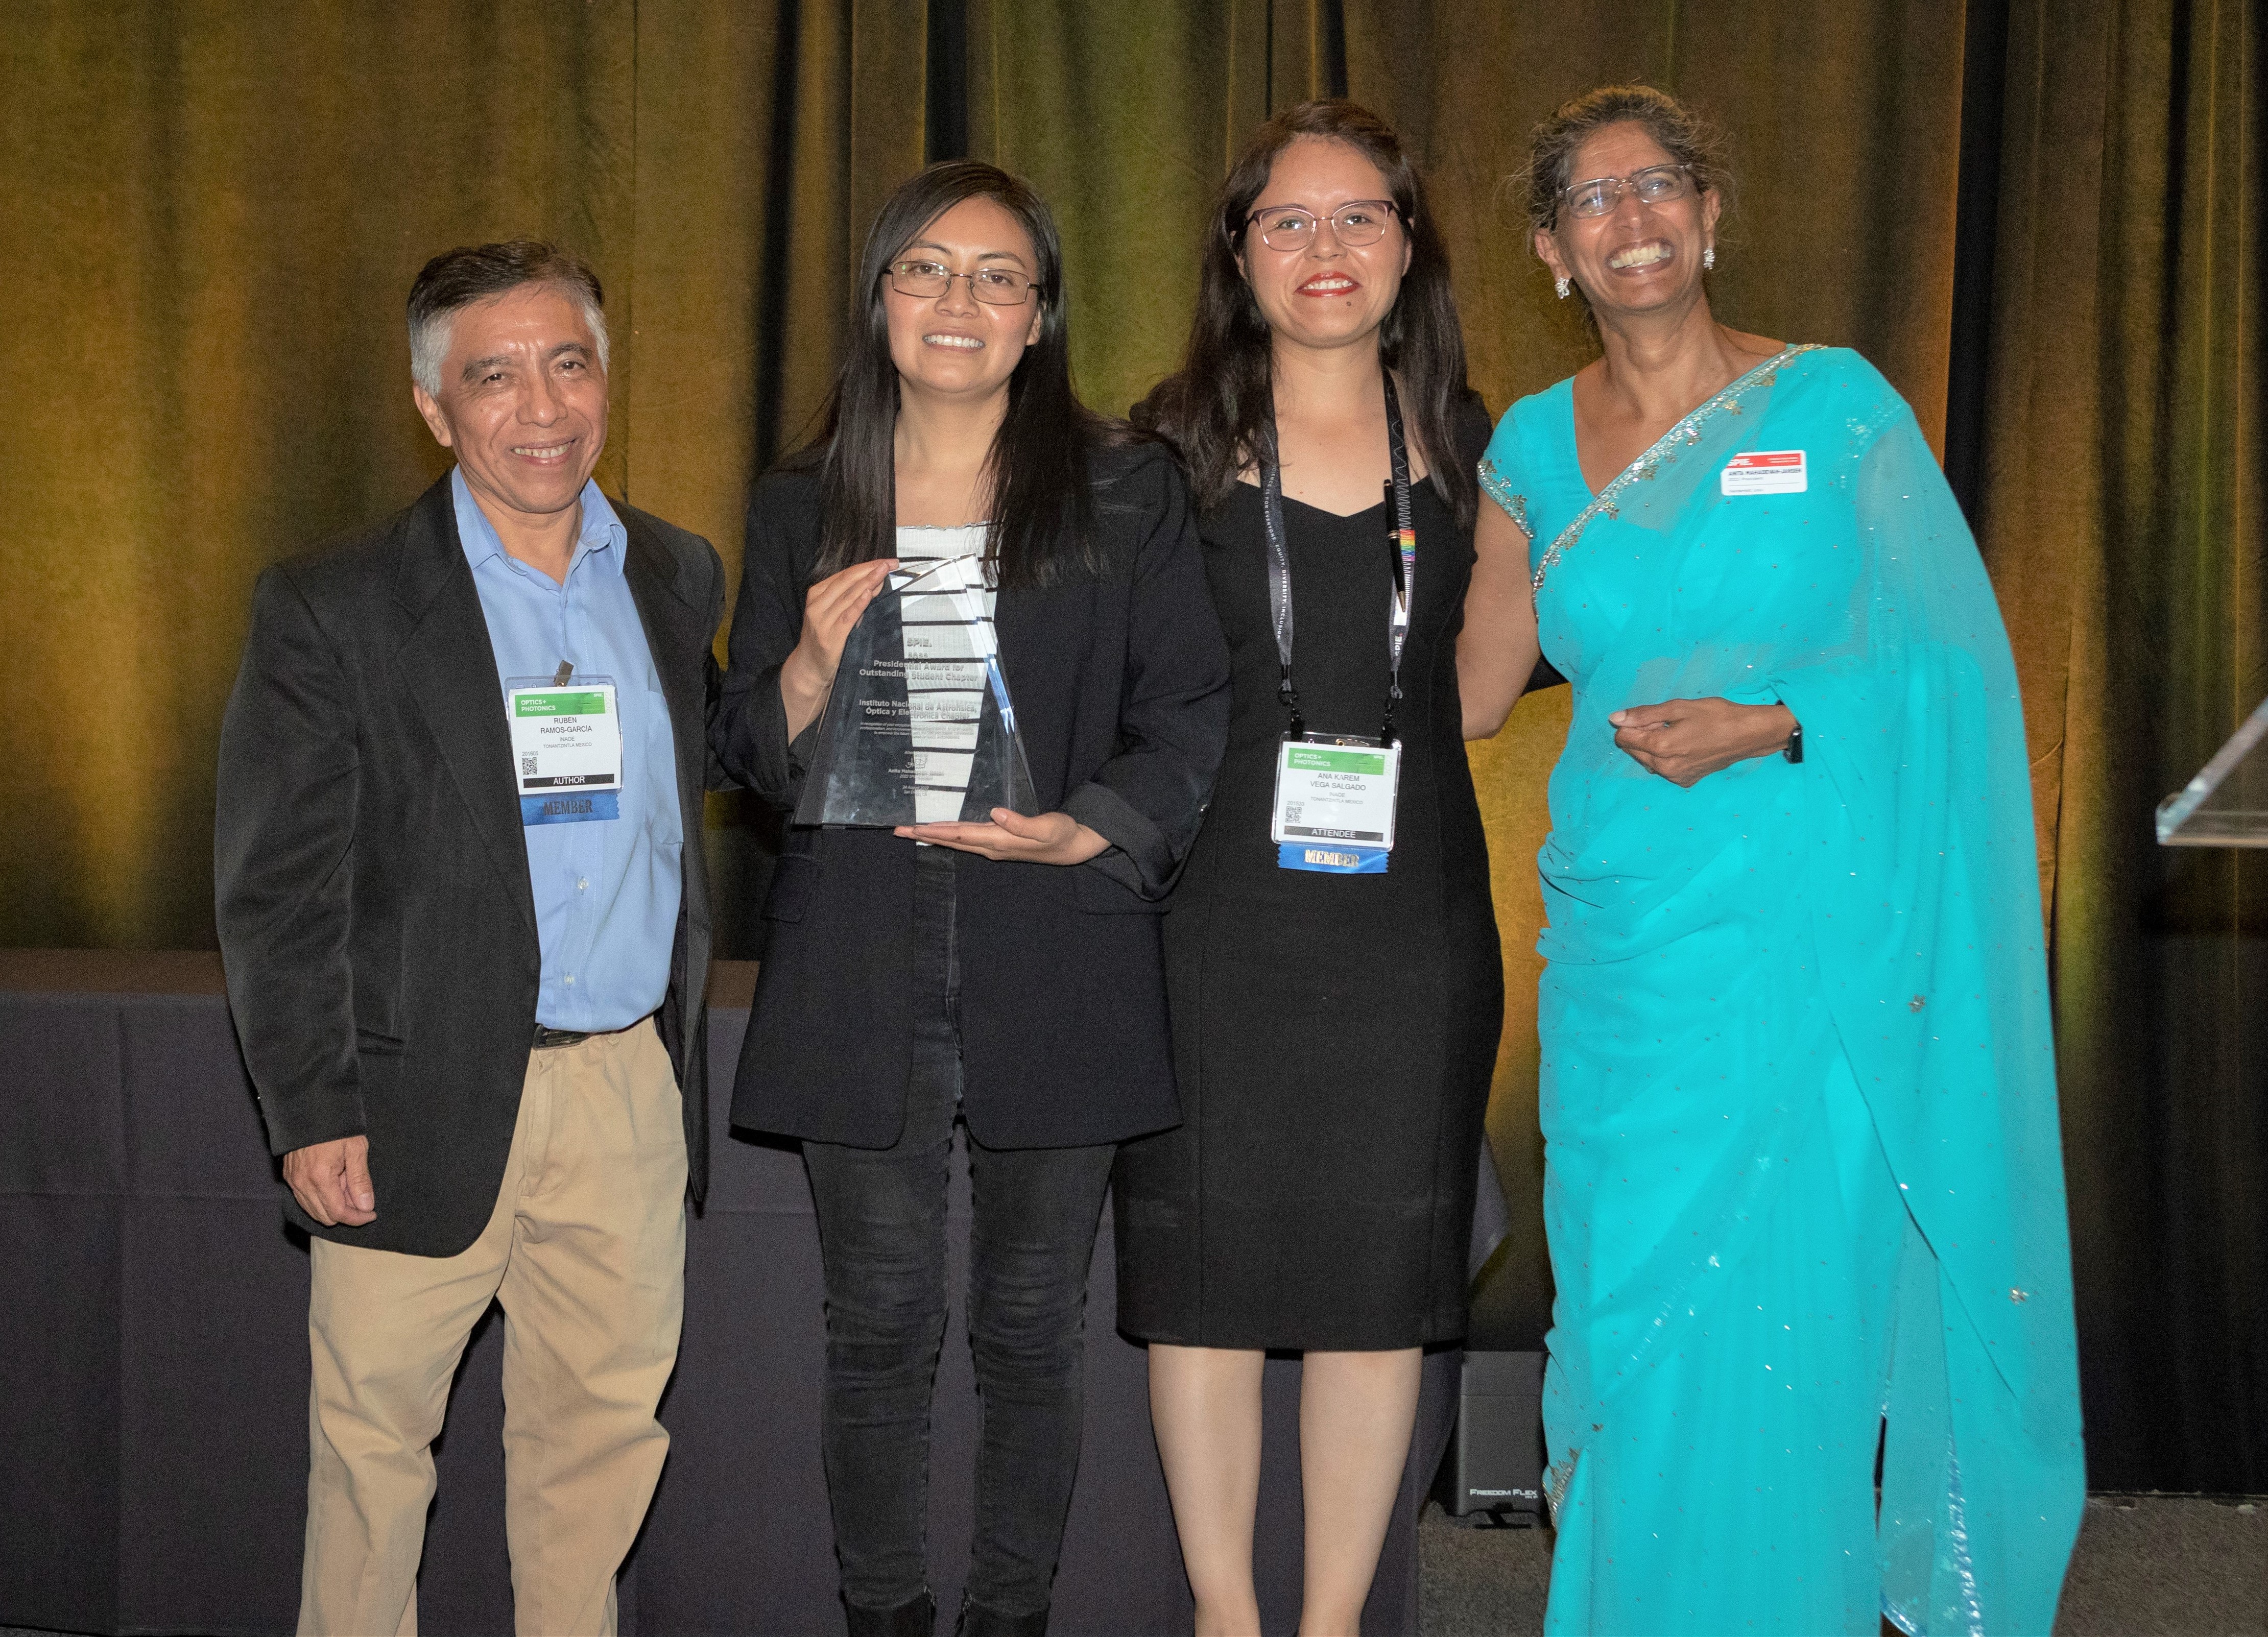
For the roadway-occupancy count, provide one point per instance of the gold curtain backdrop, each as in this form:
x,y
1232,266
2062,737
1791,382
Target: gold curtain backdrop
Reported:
x,y
211,213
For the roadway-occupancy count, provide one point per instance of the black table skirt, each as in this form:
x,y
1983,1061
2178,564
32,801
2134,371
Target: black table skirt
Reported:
x,y
154,1371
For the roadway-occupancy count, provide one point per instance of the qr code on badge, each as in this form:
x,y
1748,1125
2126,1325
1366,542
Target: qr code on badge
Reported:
x,y
526,766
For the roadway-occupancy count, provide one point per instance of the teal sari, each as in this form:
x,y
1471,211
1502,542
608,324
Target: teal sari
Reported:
x,y
1804,1186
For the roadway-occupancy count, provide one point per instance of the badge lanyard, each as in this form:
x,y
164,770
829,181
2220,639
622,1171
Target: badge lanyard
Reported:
x,y
1403,549
1336,796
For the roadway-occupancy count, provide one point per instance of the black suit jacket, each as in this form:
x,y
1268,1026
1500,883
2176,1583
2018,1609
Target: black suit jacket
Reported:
x,y
371,873
1121,686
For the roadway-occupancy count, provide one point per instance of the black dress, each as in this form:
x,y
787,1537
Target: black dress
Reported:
x,y
1334,1036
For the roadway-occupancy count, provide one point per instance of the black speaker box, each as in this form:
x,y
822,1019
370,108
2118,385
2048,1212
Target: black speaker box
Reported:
x,y
1494,1472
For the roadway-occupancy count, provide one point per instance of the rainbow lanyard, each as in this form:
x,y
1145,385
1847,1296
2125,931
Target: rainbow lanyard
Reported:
x,y
1402,541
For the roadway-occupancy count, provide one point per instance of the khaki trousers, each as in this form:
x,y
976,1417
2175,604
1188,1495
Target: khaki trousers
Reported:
x,y
586,1251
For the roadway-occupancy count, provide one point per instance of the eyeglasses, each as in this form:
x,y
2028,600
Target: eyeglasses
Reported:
x,y
927,281
1657,183
1288,227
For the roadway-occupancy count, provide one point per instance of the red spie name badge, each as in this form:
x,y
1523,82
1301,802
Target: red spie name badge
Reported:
x,y
1765,472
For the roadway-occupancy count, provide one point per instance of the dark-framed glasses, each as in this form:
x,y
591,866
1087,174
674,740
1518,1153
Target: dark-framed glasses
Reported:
x,y
1359,221
1657,183
927,281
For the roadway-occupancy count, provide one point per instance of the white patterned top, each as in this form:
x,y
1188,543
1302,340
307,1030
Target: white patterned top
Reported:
x,y
948,618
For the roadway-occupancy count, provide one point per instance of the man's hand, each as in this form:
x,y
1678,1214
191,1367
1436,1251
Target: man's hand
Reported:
x,y
1048,839
1685,740
331,1181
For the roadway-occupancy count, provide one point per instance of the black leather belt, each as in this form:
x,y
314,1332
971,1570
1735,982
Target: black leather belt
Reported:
x,y
576,1036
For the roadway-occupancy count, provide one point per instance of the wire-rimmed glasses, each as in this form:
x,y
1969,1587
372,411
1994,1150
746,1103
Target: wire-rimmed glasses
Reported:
x,y
1359,221
928,281
1657,183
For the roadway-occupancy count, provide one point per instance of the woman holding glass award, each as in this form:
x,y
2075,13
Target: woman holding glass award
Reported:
x,y
1017,584
1331,952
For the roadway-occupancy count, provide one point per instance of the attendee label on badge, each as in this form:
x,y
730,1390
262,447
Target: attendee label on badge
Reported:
x,y
1765,472
567,750
1335,804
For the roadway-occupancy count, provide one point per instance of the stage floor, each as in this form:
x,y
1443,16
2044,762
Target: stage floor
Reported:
x,y
2148,1565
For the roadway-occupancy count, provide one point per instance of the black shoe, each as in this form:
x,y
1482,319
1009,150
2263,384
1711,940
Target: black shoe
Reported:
x,y
977,1620
917,1619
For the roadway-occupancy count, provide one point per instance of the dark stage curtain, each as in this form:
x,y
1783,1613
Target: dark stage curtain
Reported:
x,y
2114,388
2041,217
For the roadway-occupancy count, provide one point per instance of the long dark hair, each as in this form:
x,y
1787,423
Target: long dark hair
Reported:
x,y
1042,513
1215,410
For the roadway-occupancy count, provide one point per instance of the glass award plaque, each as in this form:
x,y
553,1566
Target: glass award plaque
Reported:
x,y
918,728
2226,803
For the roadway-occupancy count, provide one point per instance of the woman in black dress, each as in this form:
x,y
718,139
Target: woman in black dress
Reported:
x,y
1007,976
1335,1007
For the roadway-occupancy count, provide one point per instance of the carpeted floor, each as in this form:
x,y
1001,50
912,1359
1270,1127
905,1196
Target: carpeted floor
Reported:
x,y
2148,1565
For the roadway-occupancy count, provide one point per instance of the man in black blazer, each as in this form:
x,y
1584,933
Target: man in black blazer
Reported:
x,y
466,924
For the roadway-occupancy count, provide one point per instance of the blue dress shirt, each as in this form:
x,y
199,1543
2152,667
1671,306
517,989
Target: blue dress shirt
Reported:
x,y
606,891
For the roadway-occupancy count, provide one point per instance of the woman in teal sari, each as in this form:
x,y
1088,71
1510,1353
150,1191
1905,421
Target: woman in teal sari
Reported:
x,y
1804,1188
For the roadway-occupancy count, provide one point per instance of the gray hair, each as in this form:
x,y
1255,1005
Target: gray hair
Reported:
x,y
1689,139
457,279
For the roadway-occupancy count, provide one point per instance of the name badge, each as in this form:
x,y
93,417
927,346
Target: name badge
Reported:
x,y
1335,801
567,746
1765,472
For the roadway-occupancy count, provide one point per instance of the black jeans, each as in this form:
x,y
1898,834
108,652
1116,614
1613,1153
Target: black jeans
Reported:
x,y
881,1228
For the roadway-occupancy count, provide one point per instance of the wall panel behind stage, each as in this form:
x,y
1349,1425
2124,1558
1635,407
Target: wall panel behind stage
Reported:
x,y
212,213
209,214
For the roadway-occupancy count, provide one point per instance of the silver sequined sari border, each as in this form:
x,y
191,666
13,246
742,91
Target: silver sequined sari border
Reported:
x,y
1663,453
1494,485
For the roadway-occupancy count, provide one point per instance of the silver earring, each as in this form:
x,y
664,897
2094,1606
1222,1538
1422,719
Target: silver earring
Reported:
x,y
1709,257
1560,285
